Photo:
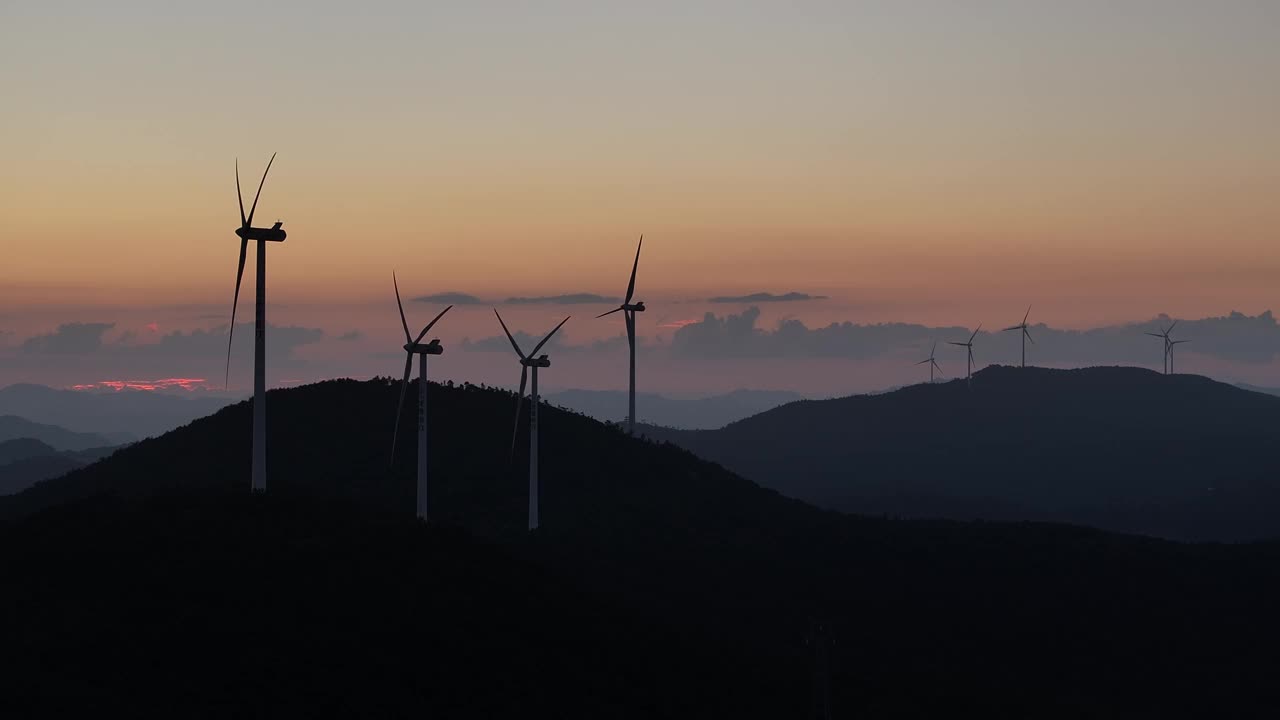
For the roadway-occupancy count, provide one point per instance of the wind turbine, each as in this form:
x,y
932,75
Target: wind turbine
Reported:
x,y
414,346
1167,343
1171,344
933,364
629,315
969,366
526,362
1026,335
247,232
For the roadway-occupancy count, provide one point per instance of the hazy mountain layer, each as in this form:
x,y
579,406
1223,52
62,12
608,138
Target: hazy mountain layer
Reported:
x,y
26,461
123,416
1127,449
692,413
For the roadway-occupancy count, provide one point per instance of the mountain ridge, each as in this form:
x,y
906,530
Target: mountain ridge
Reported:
x,y
1001,619
1130,449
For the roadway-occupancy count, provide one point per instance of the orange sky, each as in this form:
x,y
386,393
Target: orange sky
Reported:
x,y
929,163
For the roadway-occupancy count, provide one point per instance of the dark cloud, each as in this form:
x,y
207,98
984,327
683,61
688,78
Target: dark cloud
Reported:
x,y
570,299
738,336
69,339
449,298
762,297
351,336
1235,337
81,348
282,342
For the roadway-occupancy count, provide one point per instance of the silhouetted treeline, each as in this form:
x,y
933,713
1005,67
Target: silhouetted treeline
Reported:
x,y
659,585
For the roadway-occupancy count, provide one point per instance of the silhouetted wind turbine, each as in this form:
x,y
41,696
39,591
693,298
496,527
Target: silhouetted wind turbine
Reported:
x,y
526,362
247,232
1164,334
414,346
1025,334
933,364
969,366
629,315
1171,344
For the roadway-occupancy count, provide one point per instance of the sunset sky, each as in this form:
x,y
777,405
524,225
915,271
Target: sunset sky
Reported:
x,y
932,163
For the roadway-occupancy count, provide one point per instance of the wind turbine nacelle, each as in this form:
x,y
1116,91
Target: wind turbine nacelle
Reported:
x,y
432,348
271,234
638,307
541,361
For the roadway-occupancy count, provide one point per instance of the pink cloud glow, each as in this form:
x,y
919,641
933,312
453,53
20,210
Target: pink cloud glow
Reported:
x,y
188,384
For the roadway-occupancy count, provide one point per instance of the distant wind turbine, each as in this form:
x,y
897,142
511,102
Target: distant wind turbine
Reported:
x,y
527,362
1026,335
414,346
1164,334
629,315
969,344
1171,344
247,232
933,363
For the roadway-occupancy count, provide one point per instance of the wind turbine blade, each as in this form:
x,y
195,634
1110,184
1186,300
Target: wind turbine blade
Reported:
x,y
403,323
427,329
243,221
1154,334
1024,317
1015,327
975,332
933,349
631,286
404,388
548,337
235,301
952,342
937,367
260,184
508,332
515,430
1028,334
609,313
925,361
1171,327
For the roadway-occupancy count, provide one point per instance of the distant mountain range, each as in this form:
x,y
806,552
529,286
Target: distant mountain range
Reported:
x,y
1258,388
25,461
692,413
13,427
122,416
1126,449
660,584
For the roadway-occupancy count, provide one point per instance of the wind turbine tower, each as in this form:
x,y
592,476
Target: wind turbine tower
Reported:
x,y
1168,346
415,346
933,363
629,311
528,362
1171,344
247,232
1026,335
968,376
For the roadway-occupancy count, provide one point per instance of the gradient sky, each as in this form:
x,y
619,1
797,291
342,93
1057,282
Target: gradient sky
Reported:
x,y
932,162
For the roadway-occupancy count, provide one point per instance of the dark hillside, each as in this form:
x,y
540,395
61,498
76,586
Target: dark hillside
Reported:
x,y
705,584
1125,449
